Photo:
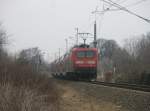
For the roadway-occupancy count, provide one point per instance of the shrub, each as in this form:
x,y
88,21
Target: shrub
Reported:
x,y
23,89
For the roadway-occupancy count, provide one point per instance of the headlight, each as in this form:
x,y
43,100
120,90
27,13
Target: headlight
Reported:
x,y
79,62
91,62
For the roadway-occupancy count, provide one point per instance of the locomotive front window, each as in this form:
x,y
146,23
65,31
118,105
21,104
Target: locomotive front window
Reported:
x,y
85,54
89,53
81,54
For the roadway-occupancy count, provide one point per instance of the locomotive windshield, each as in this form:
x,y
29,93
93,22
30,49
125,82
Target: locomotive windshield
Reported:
x,y
89,53
81,54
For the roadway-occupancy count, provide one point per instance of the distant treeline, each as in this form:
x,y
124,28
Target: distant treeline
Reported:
x,y
24,85
130,63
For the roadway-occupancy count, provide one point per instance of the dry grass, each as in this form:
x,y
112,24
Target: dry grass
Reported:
x,y
22,89
23,99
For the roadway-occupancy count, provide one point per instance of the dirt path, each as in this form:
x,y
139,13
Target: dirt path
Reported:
x,y
79,100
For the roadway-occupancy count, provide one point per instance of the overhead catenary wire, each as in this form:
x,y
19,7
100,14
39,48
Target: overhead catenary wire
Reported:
x,y
136,3
108,8
119,1
125,9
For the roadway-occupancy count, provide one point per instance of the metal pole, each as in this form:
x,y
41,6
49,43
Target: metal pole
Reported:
x,y
66,45
84,41
76,35
95,34
59,54
37,66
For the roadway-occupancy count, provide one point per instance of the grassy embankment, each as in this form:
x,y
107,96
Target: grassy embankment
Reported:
x,y
22,89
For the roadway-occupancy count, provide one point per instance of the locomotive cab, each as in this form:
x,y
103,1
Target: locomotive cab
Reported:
x,y
85,62
85,58
80,63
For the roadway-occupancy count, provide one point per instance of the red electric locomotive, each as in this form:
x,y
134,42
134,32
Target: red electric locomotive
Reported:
x,y
80,63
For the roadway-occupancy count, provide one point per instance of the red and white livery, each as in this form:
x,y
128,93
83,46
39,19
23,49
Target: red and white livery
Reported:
x,y
80,63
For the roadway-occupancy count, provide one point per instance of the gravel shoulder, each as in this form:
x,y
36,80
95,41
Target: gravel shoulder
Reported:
x,y
79,96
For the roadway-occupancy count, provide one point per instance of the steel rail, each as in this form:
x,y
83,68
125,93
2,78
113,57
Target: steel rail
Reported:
x,y
144,88
136,87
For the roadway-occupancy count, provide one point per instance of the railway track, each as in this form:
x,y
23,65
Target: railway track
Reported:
x,y
124,85
144,88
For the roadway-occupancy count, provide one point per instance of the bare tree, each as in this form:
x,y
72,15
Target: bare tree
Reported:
x,y
31,56
138,60
3,37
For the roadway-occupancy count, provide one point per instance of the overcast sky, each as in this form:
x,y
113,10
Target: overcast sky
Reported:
x,y
46,23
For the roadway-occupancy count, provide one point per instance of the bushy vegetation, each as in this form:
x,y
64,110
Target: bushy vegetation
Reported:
x,y
22,86
129,63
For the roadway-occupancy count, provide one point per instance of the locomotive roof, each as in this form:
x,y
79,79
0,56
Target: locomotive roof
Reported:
x,y
80,47
83,47
77,49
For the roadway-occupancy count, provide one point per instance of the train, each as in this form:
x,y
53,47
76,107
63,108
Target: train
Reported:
x,y
79,63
